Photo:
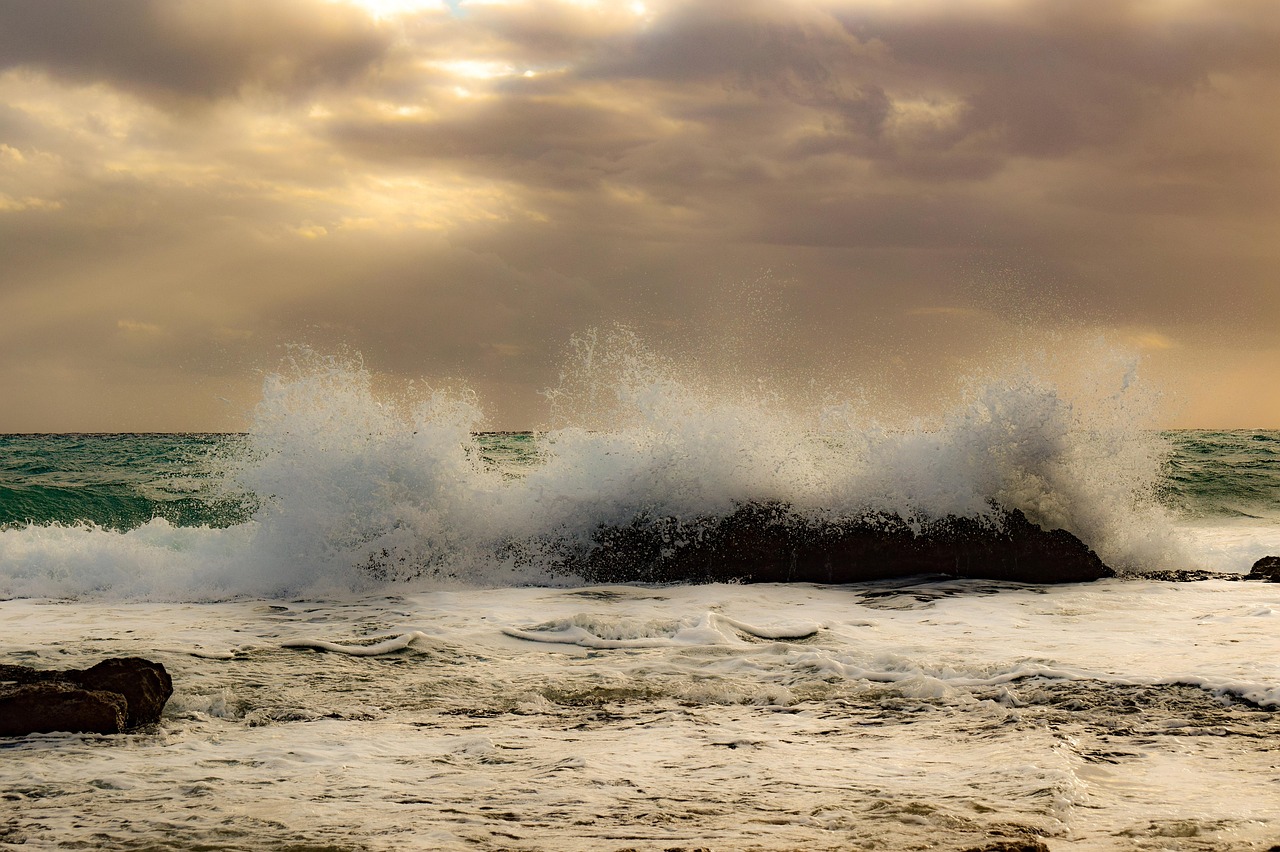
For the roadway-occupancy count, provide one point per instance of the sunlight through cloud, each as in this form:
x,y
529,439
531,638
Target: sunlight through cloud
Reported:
x,y
383,9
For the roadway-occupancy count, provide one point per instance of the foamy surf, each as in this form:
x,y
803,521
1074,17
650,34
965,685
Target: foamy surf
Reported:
x,y
371,649
711,628
1088,716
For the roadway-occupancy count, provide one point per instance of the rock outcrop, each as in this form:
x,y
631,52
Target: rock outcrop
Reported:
x,y
40,708
114,696
769,543
1266,569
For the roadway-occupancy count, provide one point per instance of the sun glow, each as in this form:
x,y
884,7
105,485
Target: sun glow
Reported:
x,y
382,9
476,69
387,9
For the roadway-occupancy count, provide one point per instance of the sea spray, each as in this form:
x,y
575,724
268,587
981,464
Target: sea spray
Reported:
x,y
352,480
354,488
1086,463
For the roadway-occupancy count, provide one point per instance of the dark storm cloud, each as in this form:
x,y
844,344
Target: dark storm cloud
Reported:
x,y
952,92
768,47
680,69
867,126
1044,79
190,49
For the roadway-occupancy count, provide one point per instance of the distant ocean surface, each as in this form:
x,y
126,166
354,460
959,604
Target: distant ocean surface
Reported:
x,y
360,661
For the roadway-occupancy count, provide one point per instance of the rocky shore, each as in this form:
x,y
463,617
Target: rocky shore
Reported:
x,y
114,696
1266,570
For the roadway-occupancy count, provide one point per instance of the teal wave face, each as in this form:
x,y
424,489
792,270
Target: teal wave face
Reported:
x,y
1223,473
112,508
118,481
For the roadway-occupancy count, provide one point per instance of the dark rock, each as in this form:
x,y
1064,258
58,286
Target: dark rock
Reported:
x,y
768,543
40,708
1266,569
145,685
139,686
1185,575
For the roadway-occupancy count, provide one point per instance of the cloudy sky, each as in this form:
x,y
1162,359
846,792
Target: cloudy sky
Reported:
x,y
874,194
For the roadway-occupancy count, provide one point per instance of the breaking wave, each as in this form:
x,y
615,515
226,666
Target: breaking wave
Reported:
x,y
355,489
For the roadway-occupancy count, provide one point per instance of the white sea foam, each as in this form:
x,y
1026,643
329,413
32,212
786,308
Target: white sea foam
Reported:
x,y
1109,716
710,629
372,649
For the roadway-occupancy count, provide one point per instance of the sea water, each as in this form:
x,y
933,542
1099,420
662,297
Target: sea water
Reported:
x,y
369,653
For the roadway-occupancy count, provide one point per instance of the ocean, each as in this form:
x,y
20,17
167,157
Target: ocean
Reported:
x,y
372,649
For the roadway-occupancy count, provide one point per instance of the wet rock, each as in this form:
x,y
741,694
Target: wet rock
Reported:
x,y
145,685
40,708
769,543
1266,569
75,696
1185,575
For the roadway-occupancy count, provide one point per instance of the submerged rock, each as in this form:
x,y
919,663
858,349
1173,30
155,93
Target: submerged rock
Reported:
x,y
83,700
1266,569
769,543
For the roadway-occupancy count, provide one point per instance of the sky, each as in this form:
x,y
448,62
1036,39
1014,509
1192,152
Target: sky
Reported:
x,y
874,198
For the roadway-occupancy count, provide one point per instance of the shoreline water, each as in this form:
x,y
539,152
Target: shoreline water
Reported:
x,y
471,703
886,716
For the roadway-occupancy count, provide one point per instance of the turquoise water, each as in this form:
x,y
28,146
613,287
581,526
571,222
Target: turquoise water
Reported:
x,y
1223,474
123,481
118,481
